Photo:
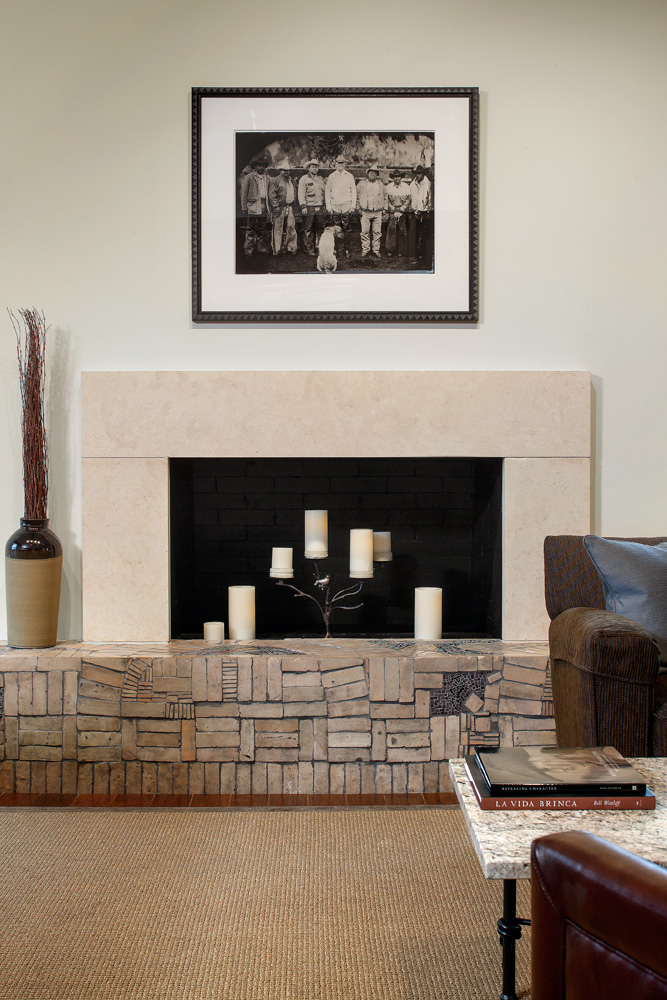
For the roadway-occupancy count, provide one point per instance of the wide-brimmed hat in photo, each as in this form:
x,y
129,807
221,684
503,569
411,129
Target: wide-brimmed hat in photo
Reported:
x,y
312,163
374,167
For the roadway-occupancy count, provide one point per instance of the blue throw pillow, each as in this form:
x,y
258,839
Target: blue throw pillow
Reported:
x,y
634,579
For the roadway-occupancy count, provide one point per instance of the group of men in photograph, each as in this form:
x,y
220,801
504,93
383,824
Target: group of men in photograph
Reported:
x,y
281,214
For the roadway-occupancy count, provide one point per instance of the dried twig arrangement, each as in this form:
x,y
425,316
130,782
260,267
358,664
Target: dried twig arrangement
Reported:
x,y
30,328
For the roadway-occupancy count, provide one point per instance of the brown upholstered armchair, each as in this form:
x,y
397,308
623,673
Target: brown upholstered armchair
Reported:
x,y
604,668
598,921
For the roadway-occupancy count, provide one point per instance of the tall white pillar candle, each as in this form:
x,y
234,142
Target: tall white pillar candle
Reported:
x,y
214,631
317,534
382,546
361,553
428,613
241,612
281,564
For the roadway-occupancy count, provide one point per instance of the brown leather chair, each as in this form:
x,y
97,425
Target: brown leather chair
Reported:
x,y
598,921
604,668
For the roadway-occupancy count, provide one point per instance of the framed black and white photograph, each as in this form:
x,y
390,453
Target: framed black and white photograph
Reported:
x,y
343,205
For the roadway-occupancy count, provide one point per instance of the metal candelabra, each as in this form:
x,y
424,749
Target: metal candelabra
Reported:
x,y
329,603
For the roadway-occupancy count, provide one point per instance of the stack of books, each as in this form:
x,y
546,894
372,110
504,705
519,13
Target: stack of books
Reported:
x,y
555,778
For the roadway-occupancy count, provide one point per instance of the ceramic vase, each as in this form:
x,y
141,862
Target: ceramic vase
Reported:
x,y
33,569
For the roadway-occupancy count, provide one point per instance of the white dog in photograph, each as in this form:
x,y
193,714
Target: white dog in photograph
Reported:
x,y
327,260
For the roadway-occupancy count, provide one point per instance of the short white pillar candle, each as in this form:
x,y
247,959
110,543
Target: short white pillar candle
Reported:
x,y
361,553
281,564
214,631
382,546
241,612
428,613
317,534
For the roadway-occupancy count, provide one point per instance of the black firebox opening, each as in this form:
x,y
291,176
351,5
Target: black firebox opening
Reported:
x,y
444,515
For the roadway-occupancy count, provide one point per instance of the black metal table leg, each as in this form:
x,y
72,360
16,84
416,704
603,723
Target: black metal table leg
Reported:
x,y
509,929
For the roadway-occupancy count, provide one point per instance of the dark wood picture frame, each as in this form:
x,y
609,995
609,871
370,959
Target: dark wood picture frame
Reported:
x,y
233,128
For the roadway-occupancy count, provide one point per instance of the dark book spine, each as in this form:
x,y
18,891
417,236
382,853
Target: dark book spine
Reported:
x,y
597,790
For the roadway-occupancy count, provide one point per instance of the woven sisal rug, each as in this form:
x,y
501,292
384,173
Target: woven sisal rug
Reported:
x,y
255,905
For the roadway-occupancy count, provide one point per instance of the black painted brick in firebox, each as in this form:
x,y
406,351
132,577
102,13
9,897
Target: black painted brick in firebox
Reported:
x,y
227,514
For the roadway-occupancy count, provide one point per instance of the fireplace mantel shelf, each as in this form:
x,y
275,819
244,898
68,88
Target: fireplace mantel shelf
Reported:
x,y
39,658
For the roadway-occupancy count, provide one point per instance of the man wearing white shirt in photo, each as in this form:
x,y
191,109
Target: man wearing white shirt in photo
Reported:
x,y
371,200
341,201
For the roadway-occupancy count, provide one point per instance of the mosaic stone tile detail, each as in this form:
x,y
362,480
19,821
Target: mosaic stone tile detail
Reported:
x,y
548,697
453,646
180,707
456,691
230,680
252,648
395,644
145,685
136,676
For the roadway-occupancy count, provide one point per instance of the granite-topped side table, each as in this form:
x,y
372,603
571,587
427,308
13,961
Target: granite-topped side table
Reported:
x,y
502,841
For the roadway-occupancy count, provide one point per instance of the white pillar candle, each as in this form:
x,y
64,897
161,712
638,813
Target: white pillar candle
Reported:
x,y
241,612
428,613
281,564
361,553
317,534
382,546
214,631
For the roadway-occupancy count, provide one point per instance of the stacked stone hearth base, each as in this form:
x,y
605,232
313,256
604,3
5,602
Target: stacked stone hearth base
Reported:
x,y
289,717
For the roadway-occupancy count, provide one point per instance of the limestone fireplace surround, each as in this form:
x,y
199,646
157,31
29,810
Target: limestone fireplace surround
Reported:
x,y
134,422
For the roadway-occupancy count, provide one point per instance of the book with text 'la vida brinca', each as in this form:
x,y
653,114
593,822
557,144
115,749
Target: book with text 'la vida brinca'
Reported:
x,y
566,770
558,801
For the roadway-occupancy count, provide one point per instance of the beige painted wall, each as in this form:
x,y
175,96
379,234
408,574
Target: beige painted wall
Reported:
x,y
95,217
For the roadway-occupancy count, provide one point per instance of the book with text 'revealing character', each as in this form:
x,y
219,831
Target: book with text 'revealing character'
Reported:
x,y
525,803
569,770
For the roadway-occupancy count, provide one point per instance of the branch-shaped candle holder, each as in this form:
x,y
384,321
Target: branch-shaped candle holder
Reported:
x,y
365,547
329,602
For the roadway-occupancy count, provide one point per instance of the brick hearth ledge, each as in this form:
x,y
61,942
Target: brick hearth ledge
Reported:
x,y
288,717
